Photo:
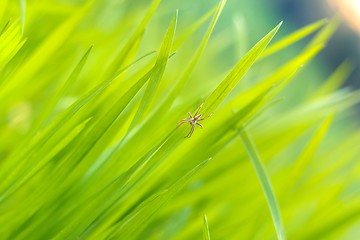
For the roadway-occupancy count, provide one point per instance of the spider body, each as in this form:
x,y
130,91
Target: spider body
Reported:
x,y
193,121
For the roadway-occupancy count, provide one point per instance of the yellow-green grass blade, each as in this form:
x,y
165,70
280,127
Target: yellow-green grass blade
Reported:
x,y
326,33
206,230
61,92
308,153
224,88
265,182
22,6
125,54
192,29
11,41
284,71
5,27
336,79
158,71
292,38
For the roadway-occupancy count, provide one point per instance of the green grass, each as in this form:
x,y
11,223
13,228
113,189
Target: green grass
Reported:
x,y
90,148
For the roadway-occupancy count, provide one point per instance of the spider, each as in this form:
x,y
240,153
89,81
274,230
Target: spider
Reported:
x,y
193,120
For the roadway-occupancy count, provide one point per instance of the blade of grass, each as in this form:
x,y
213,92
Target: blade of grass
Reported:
x,y
224,88
206,230
11,40
60,93
121,58
22,6
265,183
308,153
336,79
292,38
192,29
158,71
325,34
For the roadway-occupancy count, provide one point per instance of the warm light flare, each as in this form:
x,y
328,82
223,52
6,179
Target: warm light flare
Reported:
x,y
350,11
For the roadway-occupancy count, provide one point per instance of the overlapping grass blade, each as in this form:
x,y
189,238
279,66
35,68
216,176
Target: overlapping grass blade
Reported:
x,y
127,229
61,92
192,29
124,55
11,40
52,134
44,52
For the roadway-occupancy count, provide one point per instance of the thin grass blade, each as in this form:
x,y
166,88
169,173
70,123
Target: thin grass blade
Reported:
x,y
206,230
265,182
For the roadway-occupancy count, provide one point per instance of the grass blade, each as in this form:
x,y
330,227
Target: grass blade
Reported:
x,y
292,38
206,230
336,79
224,88
22,6
158,70
325,34
308,153
265,184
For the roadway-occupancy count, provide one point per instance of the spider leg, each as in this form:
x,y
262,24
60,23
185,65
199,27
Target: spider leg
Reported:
x,y
191,131
182,122
199,125
190,115
205,117
197,111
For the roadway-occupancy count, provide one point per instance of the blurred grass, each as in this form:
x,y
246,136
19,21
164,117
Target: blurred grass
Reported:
x,y
90,97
